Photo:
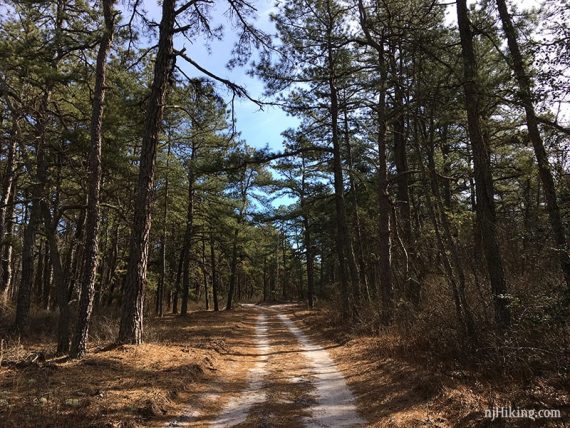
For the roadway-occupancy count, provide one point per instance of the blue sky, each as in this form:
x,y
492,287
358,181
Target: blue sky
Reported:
x,y
257,127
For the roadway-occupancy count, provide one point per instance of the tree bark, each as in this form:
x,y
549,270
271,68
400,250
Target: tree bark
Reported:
x,y
448,250
309,253
110,279
188,237
233,269
39,274
362,281
177,284
385,268
214,273
544,169
384,206
8,189
91,248
47,280
345,257
159,309
7,246
204,273
411,285
24,291
73,270
62,294
131,326
481,166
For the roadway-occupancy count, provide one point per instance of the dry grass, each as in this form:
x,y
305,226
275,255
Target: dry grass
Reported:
x,y
412,374
126,385
403,379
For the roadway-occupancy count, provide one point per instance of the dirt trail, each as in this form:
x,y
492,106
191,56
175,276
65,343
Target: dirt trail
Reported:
x,y
237,409
293,382
335,403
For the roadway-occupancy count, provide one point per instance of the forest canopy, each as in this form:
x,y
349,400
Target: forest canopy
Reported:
x,y
425,186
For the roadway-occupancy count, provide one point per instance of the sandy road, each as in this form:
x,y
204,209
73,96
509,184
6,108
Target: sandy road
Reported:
x,y
293,382
335,404
237,409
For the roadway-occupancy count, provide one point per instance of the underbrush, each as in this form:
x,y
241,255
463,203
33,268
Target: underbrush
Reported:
x,y
41,335
124,385
424,358
536,344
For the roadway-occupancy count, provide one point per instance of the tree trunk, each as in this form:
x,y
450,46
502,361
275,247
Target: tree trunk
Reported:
x,y
247,181
285,278
50,227
544,170
342,233
47,280
73,268
204,273
103,266
447,245
37,192
8,189
362,281
91,248
384,207
310,264
39,278
159,309
385,274
214,273
239,284
265,281
131,326
188,237
483,178
177,284
411,285
109,279
62,294
233,269
7,245
308,242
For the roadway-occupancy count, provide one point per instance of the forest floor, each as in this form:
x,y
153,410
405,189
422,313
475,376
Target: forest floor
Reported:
x,y
257,366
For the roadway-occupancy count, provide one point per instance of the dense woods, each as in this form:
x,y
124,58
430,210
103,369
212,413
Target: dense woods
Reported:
x,y
427,182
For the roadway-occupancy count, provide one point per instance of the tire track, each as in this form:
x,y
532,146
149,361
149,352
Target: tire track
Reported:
x,y
335,404
237,409
293,382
